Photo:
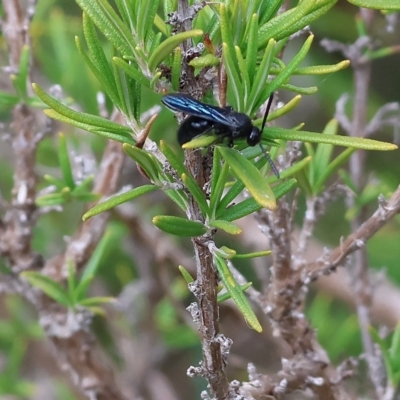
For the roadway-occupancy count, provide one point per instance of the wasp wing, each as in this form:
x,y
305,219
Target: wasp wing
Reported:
x,y
188,105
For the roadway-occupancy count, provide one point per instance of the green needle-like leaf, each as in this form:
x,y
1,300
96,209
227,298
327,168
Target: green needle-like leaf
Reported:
x,y
252,47
98,300
226,296
394,350
123,86
125,10
84,186
176,164
185,273
233,77
208,60
216,173
110,24
64,161
122,137
261,78
71,280
250,205
323,154
321,8
200,141
293,20
304,136
269,9
196,192
48,286
227,35
132,71
279,25
237,21
179,226
176,68
288,172
300,90
281,111
58,183
168,8
377,4
51,199
135,93
148,162
226,226
333,166
101,67
155,41
90,122
179,197
117,200
161,25
244,74
8,100
287,71
168,45
322,69
250,176
218,182
236,293
231,195
225,252
145,21
213,27
254,254
101,75
20,80
155,79
238,186
112,234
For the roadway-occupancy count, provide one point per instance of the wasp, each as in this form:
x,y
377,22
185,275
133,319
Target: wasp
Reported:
x,y
226,123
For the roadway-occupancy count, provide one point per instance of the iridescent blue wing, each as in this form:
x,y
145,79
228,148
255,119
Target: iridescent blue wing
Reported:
x,y
188,105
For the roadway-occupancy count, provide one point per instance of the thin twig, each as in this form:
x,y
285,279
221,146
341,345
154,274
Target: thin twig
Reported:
x,y
328,262
205,286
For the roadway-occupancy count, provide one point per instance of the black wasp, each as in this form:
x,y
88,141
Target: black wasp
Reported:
x,y
226,123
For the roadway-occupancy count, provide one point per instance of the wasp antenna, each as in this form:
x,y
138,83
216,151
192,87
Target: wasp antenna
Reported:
x,y
271,163
267,156
267,111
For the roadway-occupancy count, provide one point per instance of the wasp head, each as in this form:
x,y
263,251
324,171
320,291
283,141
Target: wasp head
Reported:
x,y
254,137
